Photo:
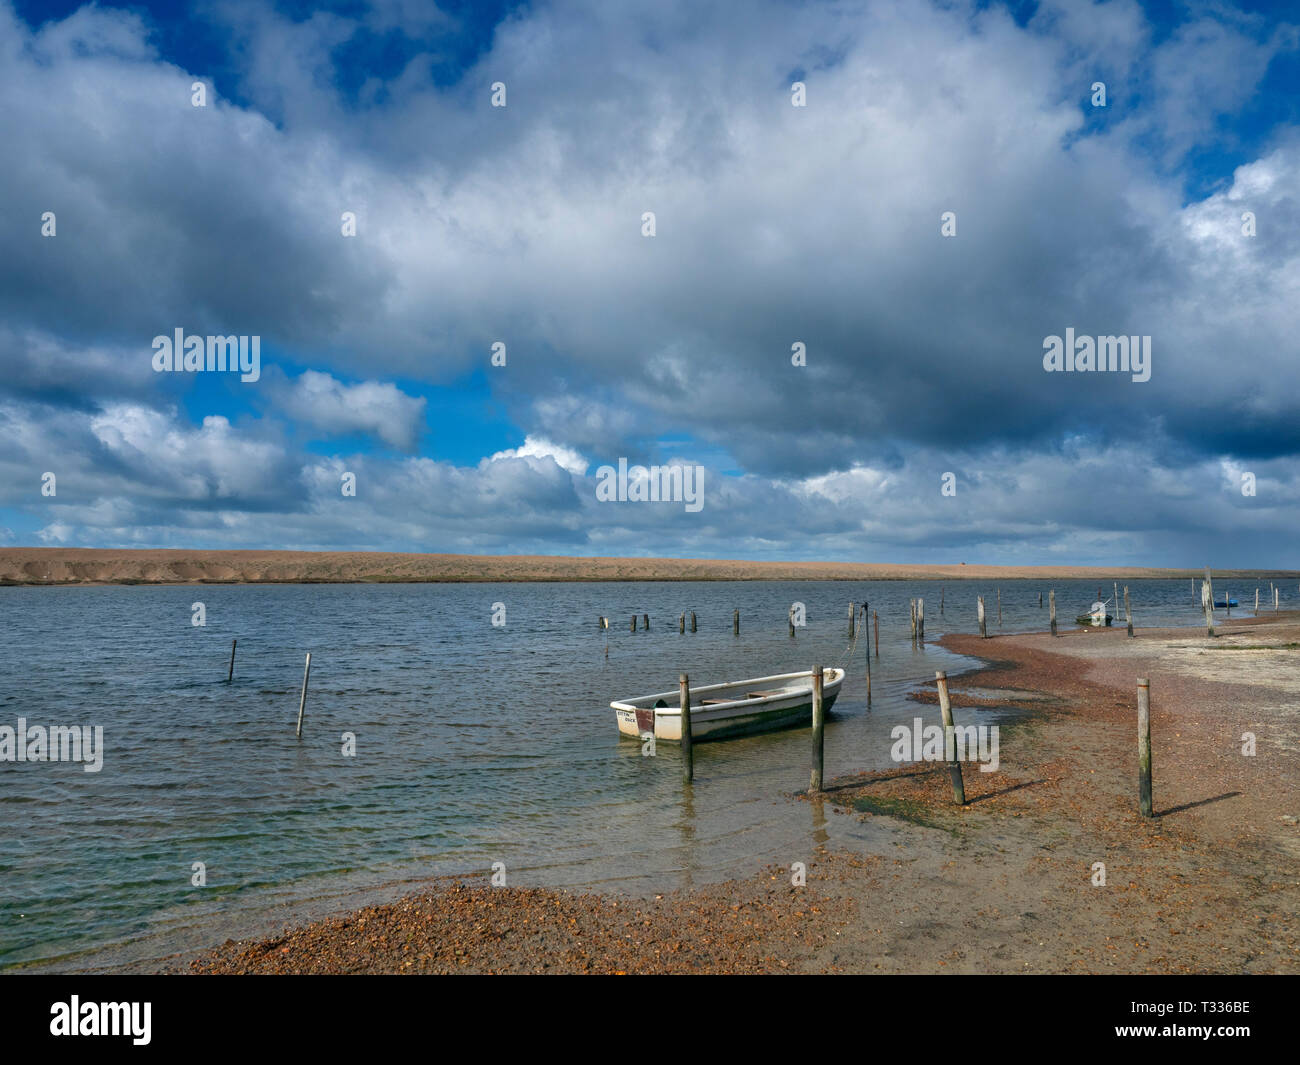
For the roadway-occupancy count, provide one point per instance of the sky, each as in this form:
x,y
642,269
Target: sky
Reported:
x,y
813,253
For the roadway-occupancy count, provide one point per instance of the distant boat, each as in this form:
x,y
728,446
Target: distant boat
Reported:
x,y
724,711
1223,606
1097,616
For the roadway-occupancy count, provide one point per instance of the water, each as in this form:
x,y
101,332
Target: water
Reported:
x,y
474,744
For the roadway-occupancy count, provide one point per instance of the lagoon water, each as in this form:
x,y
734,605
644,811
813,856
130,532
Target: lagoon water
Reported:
x,y
475,744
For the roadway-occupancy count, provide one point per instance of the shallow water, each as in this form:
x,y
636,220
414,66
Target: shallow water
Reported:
x,y
475,744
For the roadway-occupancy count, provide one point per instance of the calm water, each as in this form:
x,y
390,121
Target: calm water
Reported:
x,y
475,744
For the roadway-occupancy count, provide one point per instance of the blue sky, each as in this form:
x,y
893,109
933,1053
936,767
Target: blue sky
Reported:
x,y
775,225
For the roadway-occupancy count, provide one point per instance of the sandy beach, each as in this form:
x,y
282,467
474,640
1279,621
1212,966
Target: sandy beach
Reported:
x,y
59,565
1004,884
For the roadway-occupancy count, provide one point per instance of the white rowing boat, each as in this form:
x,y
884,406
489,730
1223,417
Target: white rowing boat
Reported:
x,y
722,711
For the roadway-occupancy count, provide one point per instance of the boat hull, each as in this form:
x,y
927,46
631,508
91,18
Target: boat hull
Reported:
x,y
1093,619
728,720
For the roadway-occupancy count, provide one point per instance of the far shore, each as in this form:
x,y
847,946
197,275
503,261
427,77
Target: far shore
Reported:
x,y
70,566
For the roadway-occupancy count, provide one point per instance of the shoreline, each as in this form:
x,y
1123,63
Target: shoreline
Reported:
x,y
1003,884
64,567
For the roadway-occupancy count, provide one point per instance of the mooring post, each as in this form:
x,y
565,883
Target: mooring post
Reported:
x,y
681,623
866,614
1128,613
1040,600
999,608
941,600
230,673
692,621
634,623
1207,601
791,620
1256,600
302,701
818,731
1144,746
920,620
688,753
1115,592
645,620
912,605
979,606
853,617
735,623
1051,609
875,614
950,739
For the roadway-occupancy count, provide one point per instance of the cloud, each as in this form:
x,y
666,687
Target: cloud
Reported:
x,y
374,408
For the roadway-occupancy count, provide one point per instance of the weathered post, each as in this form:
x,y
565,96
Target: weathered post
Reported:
x,y
735,623
864,611
999,608
1051,609
913,608
920,620
941,600
1115,592
230,673
681,623
1128,613
1256,600
791,623
980,609
950,739
1207,602
634,623
853,617
1144,746
302,701
645,622
688,754
818,731
692,621
875,614
1040,600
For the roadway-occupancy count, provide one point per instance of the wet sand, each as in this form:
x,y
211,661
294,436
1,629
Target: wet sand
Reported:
x,y
1002,885
59,565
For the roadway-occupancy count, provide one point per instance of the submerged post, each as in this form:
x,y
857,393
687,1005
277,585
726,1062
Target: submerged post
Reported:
x,y
302,702
692,621
1144,746
875,614
1256,600
866,614
1040,600
688,754
1128,614
818,731
999,608
941,600
230,673
950,739
681,623
912,603
1051,609
645,622
735,623
980,609
634,623
920,619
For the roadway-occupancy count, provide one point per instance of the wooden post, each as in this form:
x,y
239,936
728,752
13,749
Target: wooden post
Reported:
x,y
1256,600
692,621
999,608
980,608
302,702
1040,600
645,621
949,739
634,623
920,619
853,617
1277,599
818,731
230,673
1209,581
688,752
791,618
1115,592
876,616
1207,602
1128,613
735,623
1051,609
1144,746
913,607
941,600
681,623
865,615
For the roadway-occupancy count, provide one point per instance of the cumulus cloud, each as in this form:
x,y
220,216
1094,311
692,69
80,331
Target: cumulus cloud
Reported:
x,y
374,408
